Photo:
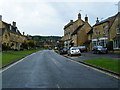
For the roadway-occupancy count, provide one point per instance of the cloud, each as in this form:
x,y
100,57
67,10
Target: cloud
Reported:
x,y
43,17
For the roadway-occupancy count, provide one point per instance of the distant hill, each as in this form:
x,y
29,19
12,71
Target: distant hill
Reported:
x,y
46,38
46,41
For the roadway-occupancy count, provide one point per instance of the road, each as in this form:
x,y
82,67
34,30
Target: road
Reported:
x,y
47,69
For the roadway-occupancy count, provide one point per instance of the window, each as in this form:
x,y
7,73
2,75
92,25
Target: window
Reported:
x,y
104,29
116,44
118,30
96,31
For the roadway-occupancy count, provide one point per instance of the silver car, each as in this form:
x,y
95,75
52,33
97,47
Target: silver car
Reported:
x,y
74,51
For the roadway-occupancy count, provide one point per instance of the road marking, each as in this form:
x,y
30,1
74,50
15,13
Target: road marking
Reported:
x,y
117,77
58,86
6,68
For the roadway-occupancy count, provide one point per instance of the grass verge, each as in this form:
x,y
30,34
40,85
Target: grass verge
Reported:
x,y
57,51
107,64
9,57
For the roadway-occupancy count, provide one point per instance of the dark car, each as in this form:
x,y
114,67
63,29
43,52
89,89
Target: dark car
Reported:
x,y
83,48
64,51
99,49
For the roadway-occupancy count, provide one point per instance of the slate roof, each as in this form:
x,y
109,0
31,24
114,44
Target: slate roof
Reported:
x,y
78,28
13,29
106,20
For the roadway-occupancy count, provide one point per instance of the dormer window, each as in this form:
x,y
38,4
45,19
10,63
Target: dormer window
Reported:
x,y
118,30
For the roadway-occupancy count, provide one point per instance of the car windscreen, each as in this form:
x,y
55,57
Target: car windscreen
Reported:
x,y
74,49
82,47
99,46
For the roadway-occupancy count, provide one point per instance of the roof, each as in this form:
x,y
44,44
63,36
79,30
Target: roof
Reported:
x,y
78,28
70,23
13,30
106,20
91,31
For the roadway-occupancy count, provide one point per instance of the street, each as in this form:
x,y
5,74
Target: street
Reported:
x,y
47,69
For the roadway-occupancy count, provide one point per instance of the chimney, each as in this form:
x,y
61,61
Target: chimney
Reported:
x,y
71,21
97,21
0,17
86,18
79,16
23,33
14,24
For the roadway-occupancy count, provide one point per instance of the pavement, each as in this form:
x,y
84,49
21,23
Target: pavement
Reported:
x,y
47,69
90,55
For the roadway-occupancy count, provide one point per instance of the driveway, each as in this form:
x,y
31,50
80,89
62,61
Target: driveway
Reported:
x,y
90,55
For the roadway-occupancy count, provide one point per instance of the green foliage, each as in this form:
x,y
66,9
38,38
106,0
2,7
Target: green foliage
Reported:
x,y
60,45
31,44
5,47
24,46
28,45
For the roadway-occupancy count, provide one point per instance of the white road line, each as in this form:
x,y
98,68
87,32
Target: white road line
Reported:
x,y
58,86
2,70
117,77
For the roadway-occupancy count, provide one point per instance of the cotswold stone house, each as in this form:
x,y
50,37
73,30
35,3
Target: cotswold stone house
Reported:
x,y
10,35
75,32
107,31
115,32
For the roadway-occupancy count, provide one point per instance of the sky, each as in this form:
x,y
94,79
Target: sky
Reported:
x,y
48,17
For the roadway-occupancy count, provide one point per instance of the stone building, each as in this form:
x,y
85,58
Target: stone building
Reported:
x,y
115,32
75,32
79,36
106,31
10,35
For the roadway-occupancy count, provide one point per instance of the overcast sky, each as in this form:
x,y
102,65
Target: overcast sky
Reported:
x,y
45,17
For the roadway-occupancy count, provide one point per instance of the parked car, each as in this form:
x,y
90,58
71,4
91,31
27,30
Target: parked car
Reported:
x,y
99,49
74,51
83,48
64,51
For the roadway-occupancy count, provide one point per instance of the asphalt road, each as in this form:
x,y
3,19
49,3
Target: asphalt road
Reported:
x,y
47,69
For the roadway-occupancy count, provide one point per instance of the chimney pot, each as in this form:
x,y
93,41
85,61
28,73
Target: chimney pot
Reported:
x,y
14,24
79,16
97,21
23,33
86,18
71,21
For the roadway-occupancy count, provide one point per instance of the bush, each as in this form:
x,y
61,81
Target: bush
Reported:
x,y
5,47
